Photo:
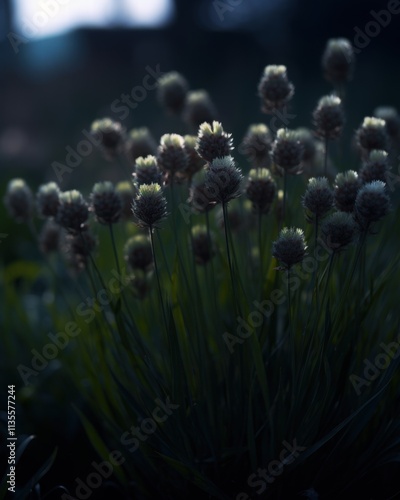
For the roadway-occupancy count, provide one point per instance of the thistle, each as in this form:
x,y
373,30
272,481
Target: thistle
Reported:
x,y
72,212
125,192
147,171
140,142
318,198
338,61
372,204
256,145
48,199
287,151
213,142
199,198
329,117
372,134
172,156
290,248
50,237
274,89
172,90
261,190
106,203
376,167
138,253
199,109
309,145
150,205
195,163
392,120
346,187
223,179
78,248
338,230
202,245
18,200
111,136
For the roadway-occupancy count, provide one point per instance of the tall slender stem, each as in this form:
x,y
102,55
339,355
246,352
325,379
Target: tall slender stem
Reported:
x,y
114,248
228,252
158,280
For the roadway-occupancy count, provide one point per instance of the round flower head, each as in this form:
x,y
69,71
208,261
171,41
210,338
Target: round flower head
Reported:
x,y
19,200
261,190
346,187
140,143
329,117
150,205
308,143
172,156
213,142
147,171
274,88
202,245
290,247
171,91
78,248
372,134
287,151
256,145
223,179
125,192
49,237
200,198
338,61
138,253
73,211
195,163
106,203
392,120
110,135
199,109
318,198
376,167
338,230
48,199
372,203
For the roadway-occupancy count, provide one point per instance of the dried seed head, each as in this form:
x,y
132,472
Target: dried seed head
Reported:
x,y
392,120
274,88
125,192
199,198
172,156
261,190
195,163
372,203
346,187
50,237
48,199
338,230
376,167
147,171
318,198
78,248
111,136
19,200
199,109
329,117
72,212
372,134
202,245
290,247
256,145
140,143
150,205
138,253
223,179
213,142
106,203
338,61
308,143
287,151
171,91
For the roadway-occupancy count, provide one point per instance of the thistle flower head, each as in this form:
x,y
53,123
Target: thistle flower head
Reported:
x,y
111,136
147,171
318,198
372,203
329,117
200,198
140,143
346,187
198,109
261,190
138,253
172,156
213,142
287,151
308,143
391,118
256,145
275,89
171,91
73,211
125,192
338,60
290,247
195,163
19,200
372,134
106,203
50,237
202,245
376,167
338,230
223,179
78,248
48,199
150,205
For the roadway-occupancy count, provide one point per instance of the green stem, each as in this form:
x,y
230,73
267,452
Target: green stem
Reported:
x,y
114,248
158,280
225,214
